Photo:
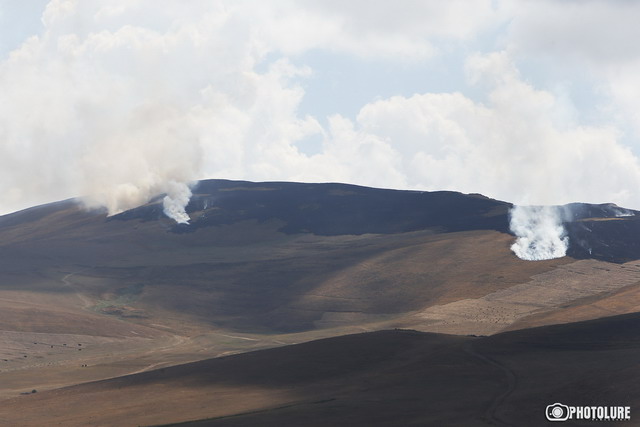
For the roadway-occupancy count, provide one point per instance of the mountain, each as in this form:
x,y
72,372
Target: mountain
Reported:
x,y
252,254
605,232
86,297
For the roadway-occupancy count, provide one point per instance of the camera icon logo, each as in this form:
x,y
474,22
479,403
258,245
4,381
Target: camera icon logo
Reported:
x,y
557,412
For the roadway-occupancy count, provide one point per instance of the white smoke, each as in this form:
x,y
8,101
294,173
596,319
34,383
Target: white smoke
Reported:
x,y
621,213
175,201
539,232
116,100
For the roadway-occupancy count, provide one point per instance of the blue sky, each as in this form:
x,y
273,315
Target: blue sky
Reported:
x,y
19,20
118,101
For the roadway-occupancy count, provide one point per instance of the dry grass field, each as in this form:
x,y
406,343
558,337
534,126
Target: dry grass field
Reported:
x,y
380,378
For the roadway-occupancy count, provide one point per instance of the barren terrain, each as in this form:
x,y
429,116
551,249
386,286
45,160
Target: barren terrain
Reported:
x,y
87,298
381,378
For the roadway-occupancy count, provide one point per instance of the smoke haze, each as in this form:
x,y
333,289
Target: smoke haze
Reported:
x,y
122,101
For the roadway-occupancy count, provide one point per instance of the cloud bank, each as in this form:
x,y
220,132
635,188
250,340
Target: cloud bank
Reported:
x,y
123,101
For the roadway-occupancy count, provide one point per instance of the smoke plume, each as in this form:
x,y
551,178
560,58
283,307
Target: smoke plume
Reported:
x,y
123,101
539,232
175,201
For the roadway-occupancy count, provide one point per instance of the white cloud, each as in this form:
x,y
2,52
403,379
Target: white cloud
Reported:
x,y
593,39
403,30
117,100
514,147
124,100
600,31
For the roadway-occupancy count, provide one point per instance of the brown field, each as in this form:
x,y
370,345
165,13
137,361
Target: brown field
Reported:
x,y
551,295
381,378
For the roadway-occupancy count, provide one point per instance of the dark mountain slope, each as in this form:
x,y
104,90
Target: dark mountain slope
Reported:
x,y
333,209
605,232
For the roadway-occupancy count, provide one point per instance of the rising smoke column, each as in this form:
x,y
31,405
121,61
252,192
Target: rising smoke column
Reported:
x,y
539,232
175,202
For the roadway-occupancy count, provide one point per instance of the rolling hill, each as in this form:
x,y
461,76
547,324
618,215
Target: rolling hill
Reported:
x,y
376,379
87,298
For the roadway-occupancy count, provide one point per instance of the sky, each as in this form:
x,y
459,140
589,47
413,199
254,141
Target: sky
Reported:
x,y
533,102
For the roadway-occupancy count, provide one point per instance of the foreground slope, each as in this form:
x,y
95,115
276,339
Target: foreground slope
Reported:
x,y
384,378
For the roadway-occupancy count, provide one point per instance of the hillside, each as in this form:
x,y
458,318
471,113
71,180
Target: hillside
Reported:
x,y
86,297
376,379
